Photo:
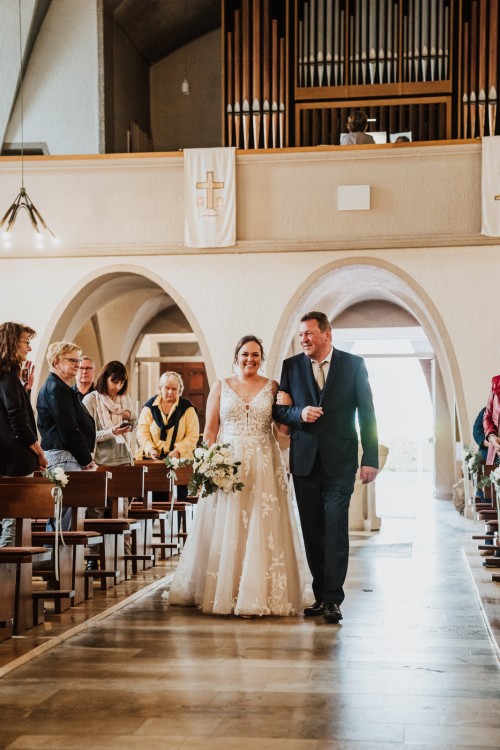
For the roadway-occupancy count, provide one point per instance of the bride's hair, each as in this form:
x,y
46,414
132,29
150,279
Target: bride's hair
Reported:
x,y
244,340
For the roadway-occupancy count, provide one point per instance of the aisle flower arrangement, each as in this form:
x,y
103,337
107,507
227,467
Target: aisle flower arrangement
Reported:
x,y
214,468
57,476
172,463
492,480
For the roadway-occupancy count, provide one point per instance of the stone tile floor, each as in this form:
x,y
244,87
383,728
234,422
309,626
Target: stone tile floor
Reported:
x,y
412,664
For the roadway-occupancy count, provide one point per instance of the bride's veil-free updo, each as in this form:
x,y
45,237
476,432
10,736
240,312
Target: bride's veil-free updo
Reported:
x,y
244,340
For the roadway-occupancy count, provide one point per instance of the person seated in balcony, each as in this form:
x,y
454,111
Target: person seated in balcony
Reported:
x,y
357,122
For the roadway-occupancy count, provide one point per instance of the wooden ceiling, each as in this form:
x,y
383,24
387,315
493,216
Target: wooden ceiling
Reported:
x,y
158,27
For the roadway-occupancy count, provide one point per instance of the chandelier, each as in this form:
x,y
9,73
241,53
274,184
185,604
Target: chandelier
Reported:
x,y
23,201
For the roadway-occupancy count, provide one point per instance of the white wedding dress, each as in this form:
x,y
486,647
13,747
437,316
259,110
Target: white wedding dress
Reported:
x,y
243,553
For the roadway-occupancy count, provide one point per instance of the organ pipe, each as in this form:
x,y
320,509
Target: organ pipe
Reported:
x,y
388,42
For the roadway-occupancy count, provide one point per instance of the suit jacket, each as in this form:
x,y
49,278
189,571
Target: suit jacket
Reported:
x,y
17,428
334,435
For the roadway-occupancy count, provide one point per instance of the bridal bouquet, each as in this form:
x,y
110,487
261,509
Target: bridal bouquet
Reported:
x,y
215,467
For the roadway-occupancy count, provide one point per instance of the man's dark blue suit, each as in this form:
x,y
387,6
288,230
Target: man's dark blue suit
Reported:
x,y
324,459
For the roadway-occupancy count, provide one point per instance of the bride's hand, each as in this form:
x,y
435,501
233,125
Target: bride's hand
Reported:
x,y
284,399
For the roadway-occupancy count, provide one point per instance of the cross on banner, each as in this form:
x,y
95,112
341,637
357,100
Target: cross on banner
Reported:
x,y
210,186
210,216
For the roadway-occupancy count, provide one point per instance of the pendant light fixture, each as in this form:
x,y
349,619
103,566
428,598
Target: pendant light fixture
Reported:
x,y
23,201
185,85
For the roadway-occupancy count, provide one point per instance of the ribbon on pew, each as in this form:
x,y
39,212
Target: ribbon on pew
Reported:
x,y
57,494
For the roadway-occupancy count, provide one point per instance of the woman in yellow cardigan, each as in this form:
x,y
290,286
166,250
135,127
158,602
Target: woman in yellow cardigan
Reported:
x,y
168,423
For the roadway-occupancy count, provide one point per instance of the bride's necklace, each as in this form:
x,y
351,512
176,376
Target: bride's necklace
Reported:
x,y
243,390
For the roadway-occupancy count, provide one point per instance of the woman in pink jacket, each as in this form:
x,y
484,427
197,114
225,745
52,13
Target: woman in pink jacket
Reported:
x,y
491,420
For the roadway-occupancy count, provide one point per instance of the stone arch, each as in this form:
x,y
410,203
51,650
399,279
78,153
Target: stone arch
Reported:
x,y
91,292
337,285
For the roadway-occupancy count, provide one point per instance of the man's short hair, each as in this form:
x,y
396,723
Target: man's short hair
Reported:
x,y
320,317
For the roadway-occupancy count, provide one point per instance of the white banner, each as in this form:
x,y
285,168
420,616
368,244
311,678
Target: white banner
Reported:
x,y
491,186
209,197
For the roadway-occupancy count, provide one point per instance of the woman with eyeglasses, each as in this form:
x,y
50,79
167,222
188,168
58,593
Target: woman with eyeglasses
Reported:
x,y
20,451
67,429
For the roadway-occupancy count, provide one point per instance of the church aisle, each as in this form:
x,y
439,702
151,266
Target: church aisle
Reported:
x,y
411,666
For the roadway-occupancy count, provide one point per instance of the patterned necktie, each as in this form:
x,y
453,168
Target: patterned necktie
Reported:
x,y
320,376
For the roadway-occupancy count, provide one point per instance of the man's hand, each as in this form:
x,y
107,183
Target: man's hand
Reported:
x,y
367,474
311,413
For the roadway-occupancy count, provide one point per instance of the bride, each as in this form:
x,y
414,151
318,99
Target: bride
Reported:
x,y
241,555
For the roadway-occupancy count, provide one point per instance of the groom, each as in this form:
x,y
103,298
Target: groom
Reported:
x,y
327,387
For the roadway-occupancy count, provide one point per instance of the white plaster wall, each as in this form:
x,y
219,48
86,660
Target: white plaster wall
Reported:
x,y
61,85
421,196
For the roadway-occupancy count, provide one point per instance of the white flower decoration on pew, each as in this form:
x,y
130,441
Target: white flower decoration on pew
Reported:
x,y
473,459
172,463
57,476
495,478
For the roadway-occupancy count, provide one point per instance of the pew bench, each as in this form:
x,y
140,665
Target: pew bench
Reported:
x,y
71,573
62,599
157,480
126,483
10,560
24,498
112,557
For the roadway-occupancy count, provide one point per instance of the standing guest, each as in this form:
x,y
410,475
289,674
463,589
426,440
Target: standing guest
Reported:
x,y
479,436
168,426
240,556
321,391
357,122
20,451
67,429
491,421
113,414
84,377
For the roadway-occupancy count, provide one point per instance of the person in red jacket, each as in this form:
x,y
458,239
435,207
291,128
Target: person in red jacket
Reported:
x,y
491,419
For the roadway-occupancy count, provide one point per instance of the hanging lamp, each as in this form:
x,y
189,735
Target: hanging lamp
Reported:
x,y
23,201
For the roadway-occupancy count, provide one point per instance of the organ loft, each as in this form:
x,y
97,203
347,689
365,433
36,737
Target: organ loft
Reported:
x,y
293,70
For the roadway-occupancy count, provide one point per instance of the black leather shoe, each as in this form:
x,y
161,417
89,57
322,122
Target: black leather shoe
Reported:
x,y
332,613
318,608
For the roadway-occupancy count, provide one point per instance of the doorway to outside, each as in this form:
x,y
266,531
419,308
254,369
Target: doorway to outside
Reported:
x,y
400,364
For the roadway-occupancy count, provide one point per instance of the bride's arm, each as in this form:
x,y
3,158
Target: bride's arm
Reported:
x,y
212,414
284,400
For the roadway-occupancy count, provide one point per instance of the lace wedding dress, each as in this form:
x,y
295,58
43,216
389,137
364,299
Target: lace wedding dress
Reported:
x,y
242,554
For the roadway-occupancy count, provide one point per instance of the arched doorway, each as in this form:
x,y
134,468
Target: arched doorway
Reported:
x,y
351,283
116,313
